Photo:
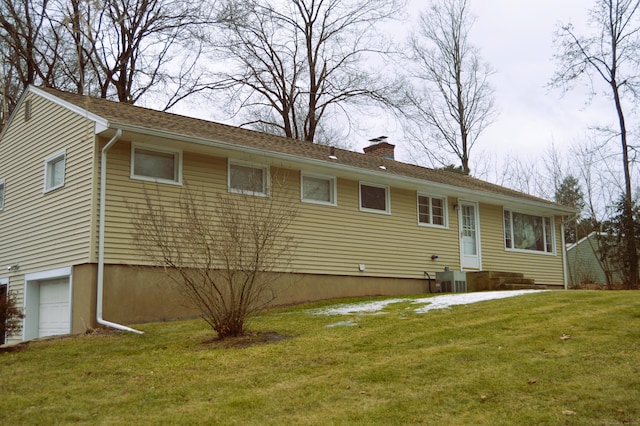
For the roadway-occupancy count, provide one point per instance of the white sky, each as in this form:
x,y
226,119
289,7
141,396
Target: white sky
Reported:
x,y
516,38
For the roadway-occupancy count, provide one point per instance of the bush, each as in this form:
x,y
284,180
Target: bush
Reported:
x,y
10,316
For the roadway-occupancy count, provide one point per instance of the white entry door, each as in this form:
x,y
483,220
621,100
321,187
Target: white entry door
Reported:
x,y
54,315
469,235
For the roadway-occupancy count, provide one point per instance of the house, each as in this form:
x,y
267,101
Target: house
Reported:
x,y
69,164
585,265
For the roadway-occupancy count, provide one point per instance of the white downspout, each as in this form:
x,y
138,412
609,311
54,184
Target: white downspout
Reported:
x,y
103,198
564,258
565,268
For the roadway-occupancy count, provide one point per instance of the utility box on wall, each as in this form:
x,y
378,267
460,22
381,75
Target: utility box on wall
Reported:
x,y
452,281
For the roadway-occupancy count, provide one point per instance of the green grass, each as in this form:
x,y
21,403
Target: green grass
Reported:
x,y
496,362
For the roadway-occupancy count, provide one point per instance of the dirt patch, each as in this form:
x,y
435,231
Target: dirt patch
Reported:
x,y
597,286
247,340
15,347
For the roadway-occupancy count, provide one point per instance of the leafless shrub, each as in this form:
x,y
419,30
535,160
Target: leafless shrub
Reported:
x,y
224,252
10,315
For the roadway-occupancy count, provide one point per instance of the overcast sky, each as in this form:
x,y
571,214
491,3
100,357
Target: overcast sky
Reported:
x,y
516,38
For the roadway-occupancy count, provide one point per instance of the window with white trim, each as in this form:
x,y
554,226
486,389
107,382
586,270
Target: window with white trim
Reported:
x,y
156,164
374,198
432,210
2,188
318,189
528,232
54,169
248,178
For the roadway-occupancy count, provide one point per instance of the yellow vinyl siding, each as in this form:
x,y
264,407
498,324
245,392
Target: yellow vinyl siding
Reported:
x,y
340,238
544,268
329,239
46,230
333,239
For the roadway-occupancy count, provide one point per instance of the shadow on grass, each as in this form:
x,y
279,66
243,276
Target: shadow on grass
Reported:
x,y
251,338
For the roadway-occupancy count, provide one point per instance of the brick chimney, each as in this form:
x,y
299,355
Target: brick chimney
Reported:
x,y
380,148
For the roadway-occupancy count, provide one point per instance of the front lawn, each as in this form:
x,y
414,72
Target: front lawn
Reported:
x,y
545,358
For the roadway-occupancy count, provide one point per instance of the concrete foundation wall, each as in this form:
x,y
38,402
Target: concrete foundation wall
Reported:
x,y
139,294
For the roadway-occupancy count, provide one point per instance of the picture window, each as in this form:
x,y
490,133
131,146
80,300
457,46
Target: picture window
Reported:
x,y
528,232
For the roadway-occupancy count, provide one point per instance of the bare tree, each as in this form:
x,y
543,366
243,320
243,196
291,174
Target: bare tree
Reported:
x,y
135,46
610,55
118,49
224,255
22,23
291,65
452,98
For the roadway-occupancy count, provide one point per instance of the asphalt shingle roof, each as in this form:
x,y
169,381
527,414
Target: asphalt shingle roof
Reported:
x,y
144,118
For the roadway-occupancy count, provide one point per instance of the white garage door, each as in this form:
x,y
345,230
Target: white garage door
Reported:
x,y
54,317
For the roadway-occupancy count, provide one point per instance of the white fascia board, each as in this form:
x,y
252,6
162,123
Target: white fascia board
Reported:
x,y
101,124
50,274
451,190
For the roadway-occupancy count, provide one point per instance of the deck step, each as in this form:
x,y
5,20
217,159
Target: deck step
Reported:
x,y
499,280
522,287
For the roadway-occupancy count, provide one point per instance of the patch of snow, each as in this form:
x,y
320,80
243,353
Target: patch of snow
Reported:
x,y
358,308
448,300
435,302
342,324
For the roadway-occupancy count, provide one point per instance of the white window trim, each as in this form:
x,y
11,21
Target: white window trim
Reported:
x,y
334,189
387,198
553,251
149,147
445,211
267,177
3,185
47,161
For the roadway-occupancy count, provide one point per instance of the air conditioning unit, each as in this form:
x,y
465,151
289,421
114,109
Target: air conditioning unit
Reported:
x,y
452,281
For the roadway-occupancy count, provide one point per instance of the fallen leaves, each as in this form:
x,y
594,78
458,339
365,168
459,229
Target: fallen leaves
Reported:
x,y
565,336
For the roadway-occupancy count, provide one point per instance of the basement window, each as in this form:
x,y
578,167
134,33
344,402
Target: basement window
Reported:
x,y
156,164
374,198
318,189
248,178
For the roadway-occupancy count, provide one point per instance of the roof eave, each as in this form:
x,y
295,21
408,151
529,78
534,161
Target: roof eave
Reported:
x,y
101,124
331,164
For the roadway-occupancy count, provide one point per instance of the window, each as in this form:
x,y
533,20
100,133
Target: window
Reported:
x,y
528,232
2,187
432,210
318,189
54,171
156,164
374,198
247,178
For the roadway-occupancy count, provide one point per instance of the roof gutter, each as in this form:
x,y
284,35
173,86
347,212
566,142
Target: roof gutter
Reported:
x,y
101,237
